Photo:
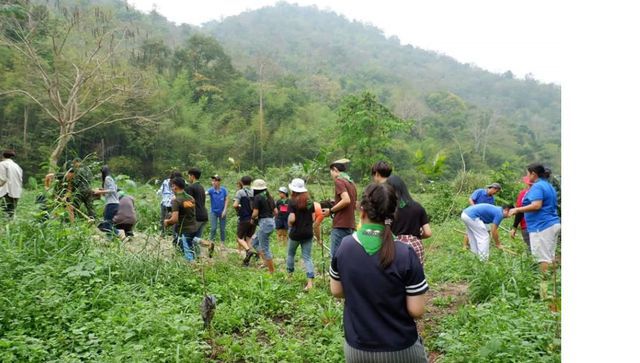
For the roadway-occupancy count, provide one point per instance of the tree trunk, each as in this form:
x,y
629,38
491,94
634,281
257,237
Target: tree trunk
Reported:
x,y
63,140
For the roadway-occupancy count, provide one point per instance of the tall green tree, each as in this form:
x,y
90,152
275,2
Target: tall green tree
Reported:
x,y
365,129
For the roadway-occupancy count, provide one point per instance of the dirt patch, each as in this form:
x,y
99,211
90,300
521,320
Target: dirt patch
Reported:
x,y
442,300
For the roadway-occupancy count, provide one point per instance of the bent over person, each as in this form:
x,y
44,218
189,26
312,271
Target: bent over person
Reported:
x,y
383,284
475,217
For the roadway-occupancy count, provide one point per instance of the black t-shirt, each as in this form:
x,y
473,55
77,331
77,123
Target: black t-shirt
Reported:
x,y
302,228
409,220
262,204
375,311
197,192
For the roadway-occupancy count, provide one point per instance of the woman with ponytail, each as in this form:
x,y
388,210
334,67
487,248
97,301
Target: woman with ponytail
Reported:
x,y
383,284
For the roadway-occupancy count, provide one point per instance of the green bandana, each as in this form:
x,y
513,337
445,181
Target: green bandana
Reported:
x,y
345,176
402,204
370,237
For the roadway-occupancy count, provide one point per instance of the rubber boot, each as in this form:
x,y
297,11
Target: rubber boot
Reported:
x,y
269,264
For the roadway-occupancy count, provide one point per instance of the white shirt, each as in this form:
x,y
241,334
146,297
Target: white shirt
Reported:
x,y
10,179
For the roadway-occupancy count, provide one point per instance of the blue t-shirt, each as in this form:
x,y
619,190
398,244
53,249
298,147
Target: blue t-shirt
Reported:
x,y
217,199
486,212
546,216
481,196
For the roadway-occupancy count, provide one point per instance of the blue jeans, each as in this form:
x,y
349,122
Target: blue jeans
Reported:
x,y
267,226
186,241
306,255
337,234
215,219
110,211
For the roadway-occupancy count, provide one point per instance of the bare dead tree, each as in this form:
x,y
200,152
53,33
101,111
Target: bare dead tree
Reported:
x,y
73,62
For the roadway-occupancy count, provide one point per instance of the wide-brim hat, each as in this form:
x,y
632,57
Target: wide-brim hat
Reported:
x,y
259,184
297,185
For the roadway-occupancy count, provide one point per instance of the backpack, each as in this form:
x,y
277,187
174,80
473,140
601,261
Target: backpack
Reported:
x,y
246,206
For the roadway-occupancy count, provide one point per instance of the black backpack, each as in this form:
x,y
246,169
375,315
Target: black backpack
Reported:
x,y
246,206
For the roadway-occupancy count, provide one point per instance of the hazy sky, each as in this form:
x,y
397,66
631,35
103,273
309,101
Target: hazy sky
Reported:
x,y
495,35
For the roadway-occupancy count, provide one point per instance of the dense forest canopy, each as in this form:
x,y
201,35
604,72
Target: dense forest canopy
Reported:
x,y
267,88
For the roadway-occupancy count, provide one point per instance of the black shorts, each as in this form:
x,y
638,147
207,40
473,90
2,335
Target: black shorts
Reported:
x,y
245,229
282,223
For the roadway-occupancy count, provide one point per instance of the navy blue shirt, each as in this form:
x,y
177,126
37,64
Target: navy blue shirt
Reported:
x,y
375,311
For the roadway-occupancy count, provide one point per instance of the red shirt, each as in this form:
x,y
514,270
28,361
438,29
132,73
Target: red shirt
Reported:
x,y
521,195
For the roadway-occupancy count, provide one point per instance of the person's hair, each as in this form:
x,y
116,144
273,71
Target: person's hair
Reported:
x,y
270,202
9,154
547,173
399,186
301,199
178,182
341,167
105,173
536,168
381,168
379,202
175,174
507,206
195,172
246,180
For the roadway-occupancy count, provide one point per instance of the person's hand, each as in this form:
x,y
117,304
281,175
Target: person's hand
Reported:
x,y
223,215
513,212
326,212
512,233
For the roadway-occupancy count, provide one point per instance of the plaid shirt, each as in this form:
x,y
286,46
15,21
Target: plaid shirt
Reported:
x,y
415,243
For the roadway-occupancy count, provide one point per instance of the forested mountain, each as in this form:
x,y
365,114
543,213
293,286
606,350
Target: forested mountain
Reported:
x,y
268,88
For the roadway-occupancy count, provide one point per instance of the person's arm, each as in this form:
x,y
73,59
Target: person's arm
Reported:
x,y
226,203
494,235
292,219
343,203
471,202
516,222
534,206
255,213
426,231
336,289
171,220
3,175
415,305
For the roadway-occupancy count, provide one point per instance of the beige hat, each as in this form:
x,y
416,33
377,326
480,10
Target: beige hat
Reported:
x,y
259,184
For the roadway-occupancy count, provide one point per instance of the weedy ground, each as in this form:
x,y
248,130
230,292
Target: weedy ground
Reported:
x,y
69,294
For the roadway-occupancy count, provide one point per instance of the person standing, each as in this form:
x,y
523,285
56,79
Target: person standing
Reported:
x,y
475,217
282,214
219,200
411,222
243,204
519,217
343,212
10,182
541,214
380,171
301,222
183,218
110,191
383,284
167,195
263,212
196,190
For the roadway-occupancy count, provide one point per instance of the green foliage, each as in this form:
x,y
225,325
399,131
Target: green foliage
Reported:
x,y
365,129
521,330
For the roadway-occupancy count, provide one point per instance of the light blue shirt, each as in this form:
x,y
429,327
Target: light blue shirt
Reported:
x,y
481,196
166,193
